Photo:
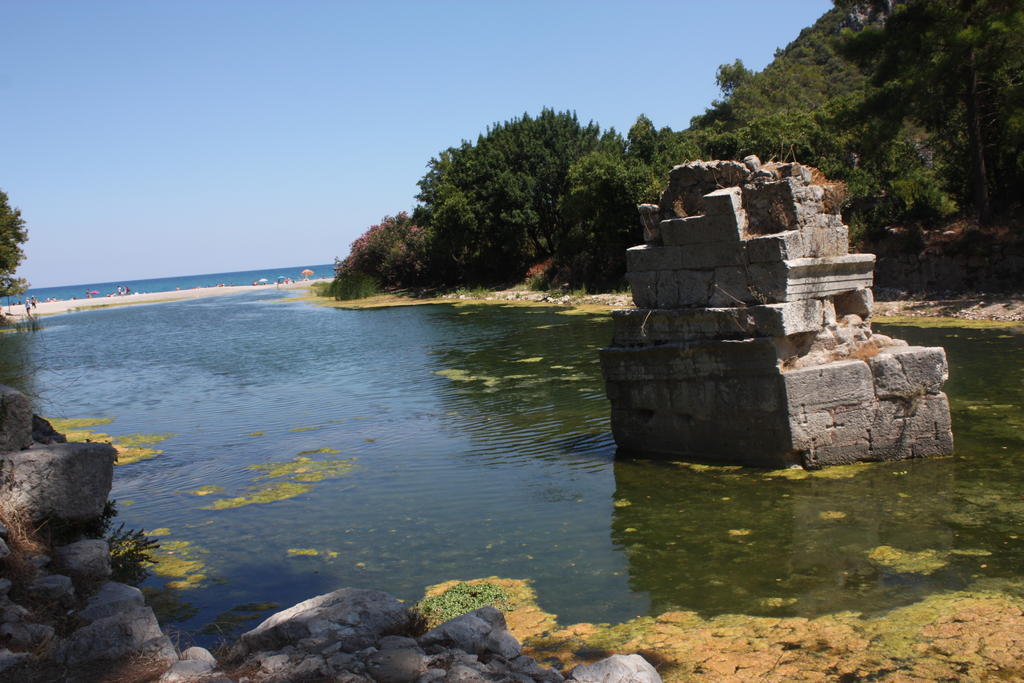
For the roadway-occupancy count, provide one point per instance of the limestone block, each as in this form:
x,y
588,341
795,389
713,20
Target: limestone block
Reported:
x,y
683,231
841,383
693,287
633,327
86,559
858,302
805,278
731,288
15,420
651,257
788,244
649,218
724,202
667,289
688,183
689,360
712,255
930,428
811,429
908,371
65,480
694,397
751,393
707,228
644,286
831,238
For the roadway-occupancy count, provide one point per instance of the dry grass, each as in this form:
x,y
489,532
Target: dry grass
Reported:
x,y
24,542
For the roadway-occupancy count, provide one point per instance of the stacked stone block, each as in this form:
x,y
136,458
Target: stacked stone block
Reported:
x,y
750,341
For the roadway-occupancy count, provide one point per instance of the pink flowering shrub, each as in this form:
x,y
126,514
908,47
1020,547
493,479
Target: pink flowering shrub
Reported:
x,y
395,252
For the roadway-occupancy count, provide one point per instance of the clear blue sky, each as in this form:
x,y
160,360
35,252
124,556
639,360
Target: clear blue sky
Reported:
x,y
150,139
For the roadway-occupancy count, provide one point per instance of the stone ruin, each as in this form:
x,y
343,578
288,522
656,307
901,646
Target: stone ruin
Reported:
x,y
751,343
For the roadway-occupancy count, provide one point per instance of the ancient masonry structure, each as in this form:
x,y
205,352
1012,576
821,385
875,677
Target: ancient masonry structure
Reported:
x,y
750,341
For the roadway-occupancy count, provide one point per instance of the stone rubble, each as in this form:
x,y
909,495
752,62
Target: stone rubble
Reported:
x,y
751,342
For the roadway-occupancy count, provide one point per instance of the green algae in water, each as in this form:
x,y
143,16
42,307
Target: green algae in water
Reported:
x,y
207,490
132,440
256,434
180,560
269,494
312,552
319,450
907,561
534,359
65,424
305,469
304,429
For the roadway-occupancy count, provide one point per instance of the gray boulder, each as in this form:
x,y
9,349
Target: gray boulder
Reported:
x,y
4,550
187,670
15,420
616,669
111,598
26,635
352,618
67,480
124,634
9,660
88,559
43,431
55,587
480,632
399,665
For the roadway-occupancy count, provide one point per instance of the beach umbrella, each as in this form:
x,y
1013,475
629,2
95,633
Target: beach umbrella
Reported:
x,y
281,278
263,279
307,272
92,291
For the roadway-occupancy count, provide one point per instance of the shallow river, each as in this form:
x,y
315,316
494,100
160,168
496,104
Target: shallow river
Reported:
x,y
314,448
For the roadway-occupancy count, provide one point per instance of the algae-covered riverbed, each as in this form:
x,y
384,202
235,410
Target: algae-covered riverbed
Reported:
x,y
291,449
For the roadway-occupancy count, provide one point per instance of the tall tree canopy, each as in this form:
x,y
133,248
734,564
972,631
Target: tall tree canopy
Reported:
x,y
955,68
12,236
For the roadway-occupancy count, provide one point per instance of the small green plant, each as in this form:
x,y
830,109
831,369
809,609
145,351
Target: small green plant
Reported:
x,y
459,599
353,285
130,555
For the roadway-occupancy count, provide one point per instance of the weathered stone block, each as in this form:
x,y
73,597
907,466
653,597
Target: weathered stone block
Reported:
x,y
731,288
644,285
15,420
88,559
811,277
633,327
841,383
66,480
693,287
775,248
667,289
858,302
712,255
908,371
831,238
650,257
724,202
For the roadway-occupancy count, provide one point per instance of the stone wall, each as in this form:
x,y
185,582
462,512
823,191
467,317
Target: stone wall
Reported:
x,y
751,343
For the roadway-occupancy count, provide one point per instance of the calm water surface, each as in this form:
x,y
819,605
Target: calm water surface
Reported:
x,y
473,441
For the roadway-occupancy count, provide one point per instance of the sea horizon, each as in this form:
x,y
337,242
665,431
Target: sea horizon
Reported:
x,y
174,283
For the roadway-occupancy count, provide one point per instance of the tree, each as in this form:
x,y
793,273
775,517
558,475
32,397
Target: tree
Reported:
x,y
12,236
954,67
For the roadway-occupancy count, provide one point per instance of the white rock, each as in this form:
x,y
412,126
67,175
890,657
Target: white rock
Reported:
x,y
616,669
124,634
187,670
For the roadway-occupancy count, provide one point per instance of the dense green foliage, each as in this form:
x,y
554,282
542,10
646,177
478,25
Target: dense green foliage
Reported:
x,y
12,236
460,599
920,113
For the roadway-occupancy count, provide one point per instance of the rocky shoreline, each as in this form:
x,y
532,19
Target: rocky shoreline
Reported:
x,y
63,618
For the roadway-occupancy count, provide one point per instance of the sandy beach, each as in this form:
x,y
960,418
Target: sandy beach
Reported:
x,y
17,312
